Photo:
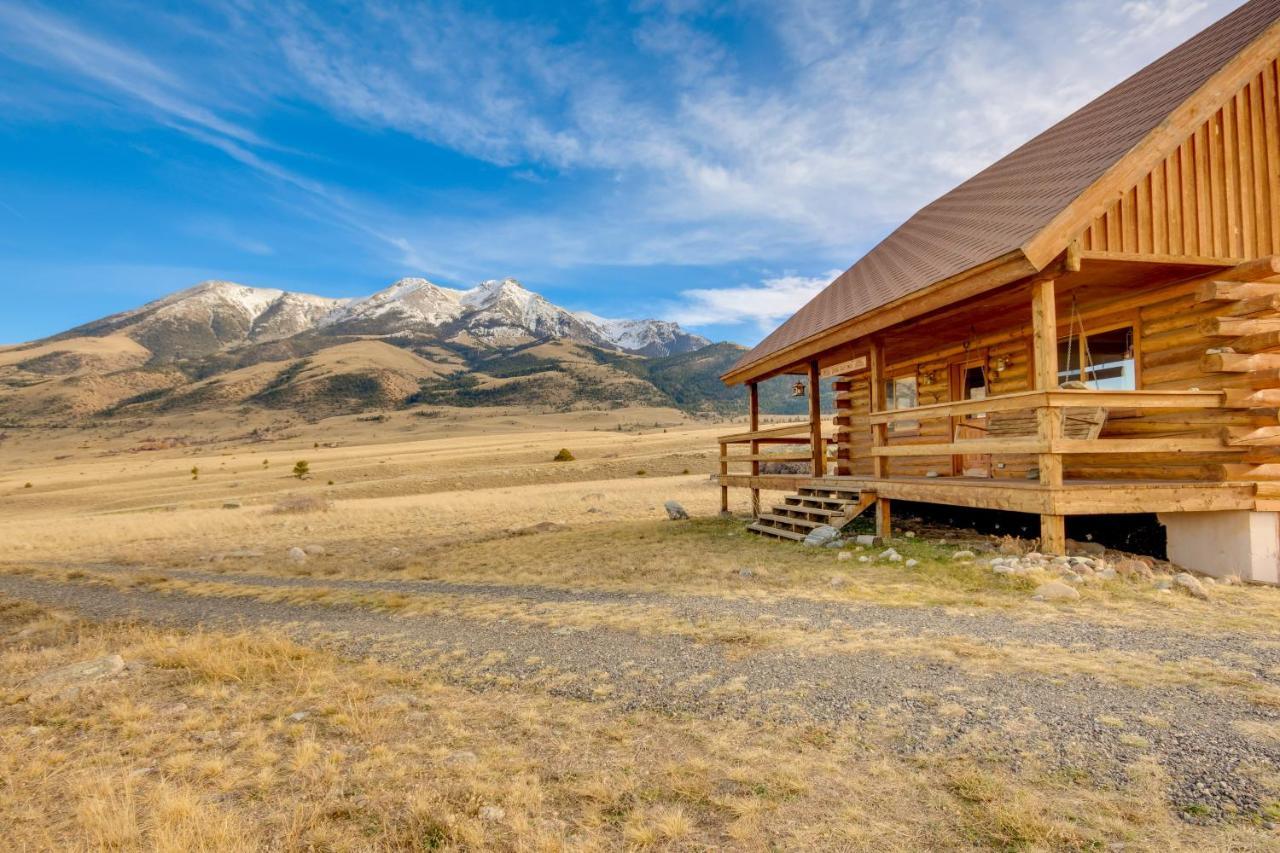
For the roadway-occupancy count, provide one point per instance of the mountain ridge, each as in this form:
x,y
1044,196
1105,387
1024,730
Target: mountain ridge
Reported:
x,y
217,315
223,345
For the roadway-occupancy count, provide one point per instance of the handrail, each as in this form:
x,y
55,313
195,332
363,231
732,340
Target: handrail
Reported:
x,y
771,432
1056,398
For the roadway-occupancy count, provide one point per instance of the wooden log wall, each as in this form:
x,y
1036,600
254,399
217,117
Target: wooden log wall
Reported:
x,y
1216,196
1178,334
853,431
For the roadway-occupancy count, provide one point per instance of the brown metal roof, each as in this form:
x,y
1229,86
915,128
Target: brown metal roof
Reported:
x,y
1000,209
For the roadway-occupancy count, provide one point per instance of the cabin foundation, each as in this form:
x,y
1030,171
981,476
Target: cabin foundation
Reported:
x,y
1240,542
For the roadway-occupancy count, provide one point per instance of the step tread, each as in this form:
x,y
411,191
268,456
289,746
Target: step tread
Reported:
x,y
775,531
787,519
812,510
816,499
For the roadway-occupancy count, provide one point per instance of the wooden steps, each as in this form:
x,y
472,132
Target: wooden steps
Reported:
x,y
811,507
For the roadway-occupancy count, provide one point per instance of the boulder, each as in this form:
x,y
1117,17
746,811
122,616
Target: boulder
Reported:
x,y
912,563
314,550
868,539
1188,584
821,535
1055,591
66,682
1132,569
962,555
492,814
844,555
297,555
890,555
675,511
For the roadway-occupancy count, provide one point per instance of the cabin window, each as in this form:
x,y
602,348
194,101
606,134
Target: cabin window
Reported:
x,y
1106,362
902,392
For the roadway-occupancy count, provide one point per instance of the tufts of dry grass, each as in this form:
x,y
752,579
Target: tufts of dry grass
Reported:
x,y
212,741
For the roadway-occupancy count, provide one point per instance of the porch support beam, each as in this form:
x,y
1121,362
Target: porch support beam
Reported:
x,y
753,393
815,421
1044,324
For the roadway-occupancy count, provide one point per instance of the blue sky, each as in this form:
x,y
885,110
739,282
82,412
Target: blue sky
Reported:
x,y
710,162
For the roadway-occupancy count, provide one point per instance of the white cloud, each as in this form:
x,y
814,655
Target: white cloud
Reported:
x,y
763,305
847,118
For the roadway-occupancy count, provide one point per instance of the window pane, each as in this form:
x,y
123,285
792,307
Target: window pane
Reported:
x,y
1106,359
900,393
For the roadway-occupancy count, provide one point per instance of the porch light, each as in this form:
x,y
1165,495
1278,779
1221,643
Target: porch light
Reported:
x,y
1000,365
798,390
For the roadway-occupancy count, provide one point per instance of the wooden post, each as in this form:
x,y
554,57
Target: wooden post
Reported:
x,y
724,472
753,393
879,432
879,437
819,449
884,519
1044,324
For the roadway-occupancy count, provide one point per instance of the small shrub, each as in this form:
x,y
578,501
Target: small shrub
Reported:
x,y
266,462
301,469
298,504
195,472
26,485
641,472
563,456
330,482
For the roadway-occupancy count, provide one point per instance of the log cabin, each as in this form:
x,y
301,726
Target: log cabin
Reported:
x,y
1091,325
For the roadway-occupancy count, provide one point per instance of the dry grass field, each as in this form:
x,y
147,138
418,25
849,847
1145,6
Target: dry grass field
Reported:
x,y
482,648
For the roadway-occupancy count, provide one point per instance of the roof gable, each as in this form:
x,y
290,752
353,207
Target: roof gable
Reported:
x,y
1025,204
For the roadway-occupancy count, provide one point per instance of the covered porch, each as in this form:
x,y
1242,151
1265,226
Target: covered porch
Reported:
x,y
1042,449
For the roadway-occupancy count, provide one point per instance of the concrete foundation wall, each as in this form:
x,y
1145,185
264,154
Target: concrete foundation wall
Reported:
x,y
1237,542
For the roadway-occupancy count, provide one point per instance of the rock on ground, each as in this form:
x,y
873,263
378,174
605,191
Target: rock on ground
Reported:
x,y
819,536
1188,583
675,511
1055,591
66,682
297,555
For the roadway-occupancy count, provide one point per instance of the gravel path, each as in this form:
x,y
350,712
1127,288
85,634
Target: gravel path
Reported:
x,y
993,627
1069,721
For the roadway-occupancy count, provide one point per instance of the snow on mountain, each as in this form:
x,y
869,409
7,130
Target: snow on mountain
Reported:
x,y
216,315
212,316
407,303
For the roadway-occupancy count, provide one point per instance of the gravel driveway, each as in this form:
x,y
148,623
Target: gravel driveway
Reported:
x,y
1070,721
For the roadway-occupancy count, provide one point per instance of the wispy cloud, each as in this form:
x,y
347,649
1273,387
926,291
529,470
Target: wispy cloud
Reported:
x,y
651,138
763,305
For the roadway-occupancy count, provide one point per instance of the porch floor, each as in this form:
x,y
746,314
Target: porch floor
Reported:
x,y
1073,497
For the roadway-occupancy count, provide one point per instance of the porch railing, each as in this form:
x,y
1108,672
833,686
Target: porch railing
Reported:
x,y
791,443
1048,441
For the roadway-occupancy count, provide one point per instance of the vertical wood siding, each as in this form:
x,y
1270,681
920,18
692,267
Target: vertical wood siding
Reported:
x,y
1216,196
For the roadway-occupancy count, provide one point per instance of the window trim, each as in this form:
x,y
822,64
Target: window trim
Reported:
x,y
1131,321
902,428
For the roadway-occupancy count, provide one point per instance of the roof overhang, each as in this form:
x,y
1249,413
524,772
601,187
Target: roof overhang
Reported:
x,y
972,282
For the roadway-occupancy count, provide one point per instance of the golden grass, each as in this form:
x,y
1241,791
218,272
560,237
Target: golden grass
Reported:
x,y
195,750
744,633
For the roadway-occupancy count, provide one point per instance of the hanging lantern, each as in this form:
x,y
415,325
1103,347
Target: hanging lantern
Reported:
x,y
798,390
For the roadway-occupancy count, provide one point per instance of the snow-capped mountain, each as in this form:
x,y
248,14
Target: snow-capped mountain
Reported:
x,y
220,315
645,337
213,316
501,313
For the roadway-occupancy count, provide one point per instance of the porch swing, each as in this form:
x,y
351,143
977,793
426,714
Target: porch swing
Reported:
x,y
1078,422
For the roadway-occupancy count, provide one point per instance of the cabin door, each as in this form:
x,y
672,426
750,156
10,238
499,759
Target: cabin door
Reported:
x,y
968,382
